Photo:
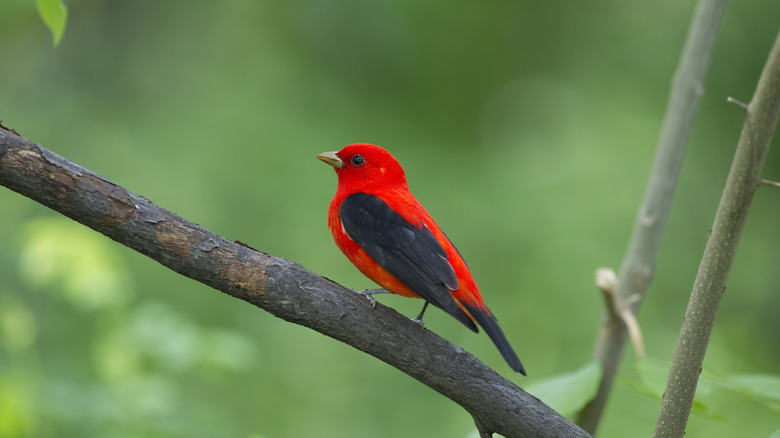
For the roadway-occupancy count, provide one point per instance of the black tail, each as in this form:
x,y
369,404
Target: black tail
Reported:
x,y
489,323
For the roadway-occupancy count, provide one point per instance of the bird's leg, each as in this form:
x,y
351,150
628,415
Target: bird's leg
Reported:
x,y
369,292
419,319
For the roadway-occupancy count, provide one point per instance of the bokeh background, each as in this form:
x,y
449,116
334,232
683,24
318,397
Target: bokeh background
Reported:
x,y
527,128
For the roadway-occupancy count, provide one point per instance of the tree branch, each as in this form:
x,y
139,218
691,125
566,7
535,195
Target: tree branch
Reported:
x,y
278,286
640,258
741,184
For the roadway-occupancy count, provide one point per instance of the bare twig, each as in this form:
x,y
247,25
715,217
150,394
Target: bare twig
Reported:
x,y
739,104
710,283
278,286
766,182
639,260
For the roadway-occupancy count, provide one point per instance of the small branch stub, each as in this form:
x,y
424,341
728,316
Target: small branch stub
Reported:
x,y
606,280
742,105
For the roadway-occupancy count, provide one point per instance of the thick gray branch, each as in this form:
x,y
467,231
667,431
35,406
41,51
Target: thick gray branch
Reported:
x,y
278,286
743,180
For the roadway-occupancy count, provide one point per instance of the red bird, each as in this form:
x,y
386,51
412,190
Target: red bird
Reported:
x,y
390,237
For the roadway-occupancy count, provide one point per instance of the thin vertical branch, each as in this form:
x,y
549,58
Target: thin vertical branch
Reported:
x,y
743,180
639,261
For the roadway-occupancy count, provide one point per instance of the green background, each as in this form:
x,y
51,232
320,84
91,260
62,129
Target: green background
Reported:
x,y
527,129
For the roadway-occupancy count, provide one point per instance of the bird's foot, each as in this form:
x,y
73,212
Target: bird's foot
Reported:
x,y
368,293
419,318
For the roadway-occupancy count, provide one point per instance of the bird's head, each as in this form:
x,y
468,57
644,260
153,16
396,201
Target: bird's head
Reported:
x,y
359,164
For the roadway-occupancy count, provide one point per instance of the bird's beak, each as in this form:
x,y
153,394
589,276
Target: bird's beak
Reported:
x,y
331,158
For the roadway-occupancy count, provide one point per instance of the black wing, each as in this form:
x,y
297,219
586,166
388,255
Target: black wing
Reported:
x,y
410,254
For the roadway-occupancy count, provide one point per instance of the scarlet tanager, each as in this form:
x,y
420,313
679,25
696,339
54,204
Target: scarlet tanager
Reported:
x,y
390,237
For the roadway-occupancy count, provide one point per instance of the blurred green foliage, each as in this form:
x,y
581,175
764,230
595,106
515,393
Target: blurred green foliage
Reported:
x,y
526,128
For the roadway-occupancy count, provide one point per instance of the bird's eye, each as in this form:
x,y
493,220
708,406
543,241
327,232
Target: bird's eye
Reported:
x,y
358,160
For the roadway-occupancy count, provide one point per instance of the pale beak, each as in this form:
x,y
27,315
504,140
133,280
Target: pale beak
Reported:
x,y
331,158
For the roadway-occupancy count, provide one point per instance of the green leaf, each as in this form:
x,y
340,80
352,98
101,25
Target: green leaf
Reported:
x,y
653,374
651,382
568,393
54,15
761,388
776,434
650,378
